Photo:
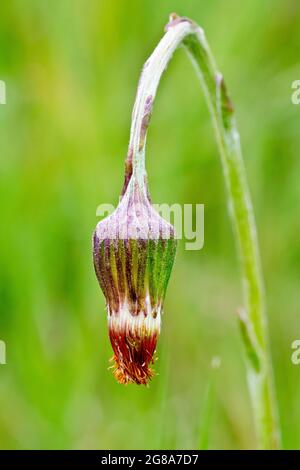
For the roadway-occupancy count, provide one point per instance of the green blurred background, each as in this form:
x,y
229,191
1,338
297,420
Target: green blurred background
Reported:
x,y
71,69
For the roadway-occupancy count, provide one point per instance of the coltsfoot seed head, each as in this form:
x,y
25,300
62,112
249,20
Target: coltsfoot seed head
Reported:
x,y
134,250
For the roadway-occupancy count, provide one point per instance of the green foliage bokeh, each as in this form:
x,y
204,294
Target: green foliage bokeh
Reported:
x,y
71,69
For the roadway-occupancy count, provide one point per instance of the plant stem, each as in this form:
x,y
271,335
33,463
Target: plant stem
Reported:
x,y
253,321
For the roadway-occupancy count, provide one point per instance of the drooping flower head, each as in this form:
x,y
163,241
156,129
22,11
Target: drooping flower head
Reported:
x,y
134,250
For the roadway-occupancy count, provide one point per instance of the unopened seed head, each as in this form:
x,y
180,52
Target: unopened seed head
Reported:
x,y
134,251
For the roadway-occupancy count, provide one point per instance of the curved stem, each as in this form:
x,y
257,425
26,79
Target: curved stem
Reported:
x,y
253,323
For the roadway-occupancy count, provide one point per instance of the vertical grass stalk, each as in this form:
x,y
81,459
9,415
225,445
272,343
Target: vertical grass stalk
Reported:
x,y
181,31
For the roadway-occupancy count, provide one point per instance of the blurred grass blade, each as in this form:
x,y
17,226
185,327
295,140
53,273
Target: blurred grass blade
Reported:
x,y
206,418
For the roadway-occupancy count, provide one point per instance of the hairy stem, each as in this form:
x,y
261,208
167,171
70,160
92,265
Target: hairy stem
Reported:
x,y
252,319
